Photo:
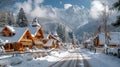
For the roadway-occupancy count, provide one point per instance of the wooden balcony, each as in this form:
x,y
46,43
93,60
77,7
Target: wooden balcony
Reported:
x,y
26,40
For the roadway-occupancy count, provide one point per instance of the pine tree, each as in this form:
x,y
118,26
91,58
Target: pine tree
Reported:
x,y
61,32
10,19
22,19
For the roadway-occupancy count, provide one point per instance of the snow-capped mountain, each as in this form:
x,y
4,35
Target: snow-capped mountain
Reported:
x,y
72,17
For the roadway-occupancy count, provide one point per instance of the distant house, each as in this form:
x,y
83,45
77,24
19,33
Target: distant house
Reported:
x,y
51,41
16,39
113,39
87,43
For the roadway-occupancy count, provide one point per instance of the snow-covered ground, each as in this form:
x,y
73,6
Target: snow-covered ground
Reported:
x,y
100,59
30,61
93,59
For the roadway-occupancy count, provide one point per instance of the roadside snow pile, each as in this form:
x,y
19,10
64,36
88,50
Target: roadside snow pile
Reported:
x,y
59,53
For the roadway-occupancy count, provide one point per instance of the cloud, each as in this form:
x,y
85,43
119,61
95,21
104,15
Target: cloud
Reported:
x,y
66,6
33,8
38,2
97,8
72,15
27,5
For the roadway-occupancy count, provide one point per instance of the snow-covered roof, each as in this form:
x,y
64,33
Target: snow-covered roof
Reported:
x,y
114,38
46,36
33,30
35,22
88,40
10,28
55,33
18,33
49,43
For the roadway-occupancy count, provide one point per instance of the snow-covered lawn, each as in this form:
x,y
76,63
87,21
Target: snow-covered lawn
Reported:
x,y
30,61
100,59
94,59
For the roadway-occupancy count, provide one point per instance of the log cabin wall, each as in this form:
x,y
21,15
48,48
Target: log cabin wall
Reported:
x,y
38,38
96,42
27,40
6,32
11,47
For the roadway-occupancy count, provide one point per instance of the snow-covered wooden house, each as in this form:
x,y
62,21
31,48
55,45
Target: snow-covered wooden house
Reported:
x,y
51,41
113,39
16,39
37,34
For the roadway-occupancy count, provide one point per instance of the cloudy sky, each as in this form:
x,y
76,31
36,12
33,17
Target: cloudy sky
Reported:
x,y
39,6
61,9
31,6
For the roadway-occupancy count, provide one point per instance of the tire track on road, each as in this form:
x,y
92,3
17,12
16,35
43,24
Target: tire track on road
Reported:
x,y
85,62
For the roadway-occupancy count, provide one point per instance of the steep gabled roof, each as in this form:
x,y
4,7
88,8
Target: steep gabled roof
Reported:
x,y
46,36
49,43
33,30
18,33
10,28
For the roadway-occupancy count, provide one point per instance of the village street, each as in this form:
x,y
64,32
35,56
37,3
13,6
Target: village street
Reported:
x,y
63,58
85,58
73,59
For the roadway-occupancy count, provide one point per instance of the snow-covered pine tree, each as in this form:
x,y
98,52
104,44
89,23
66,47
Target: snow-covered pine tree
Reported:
x,y
3,17
2,43
10,18
22,19
61,32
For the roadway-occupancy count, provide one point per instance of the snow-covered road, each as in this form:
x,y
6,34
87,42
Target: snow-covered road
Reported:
x,y
74,59
63,58
100,59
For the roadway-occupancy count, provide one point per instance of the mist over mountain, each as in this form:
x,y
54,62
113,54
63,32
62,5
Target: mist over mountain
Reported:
x,y
72,18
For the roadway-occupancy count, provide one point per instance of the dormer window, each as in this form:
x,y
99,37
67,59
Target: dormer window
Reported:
x,y
8,31
11,34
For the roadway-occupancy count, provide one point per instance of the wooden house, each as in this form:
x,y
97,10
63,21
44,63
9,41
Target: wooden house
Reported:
x,y
88,43
113,39
16,39
27,40
8,31
37,34
54,39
